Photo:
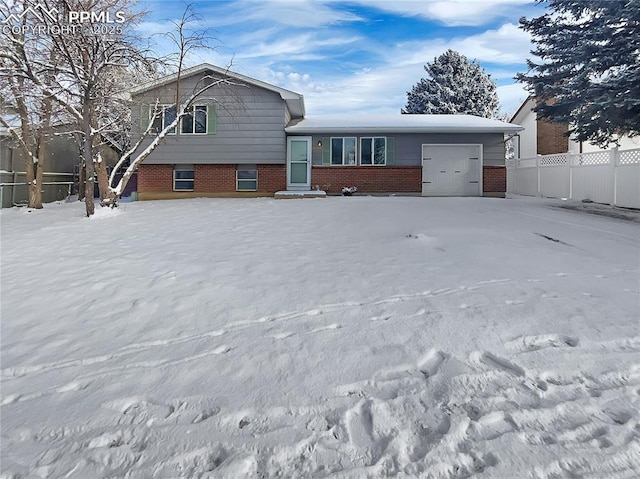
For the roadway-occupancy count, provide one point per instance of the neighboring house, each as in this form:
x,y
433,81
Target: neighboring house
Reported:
x,y
541,137
61,160
251,138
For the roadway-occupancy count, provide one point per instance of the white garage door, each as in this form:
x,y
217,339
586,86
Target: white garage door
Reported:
x,y
451,170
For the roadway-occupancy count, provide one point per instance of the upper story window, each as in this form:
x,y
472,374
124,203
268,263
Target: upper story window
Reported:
x,y
194,122
165,116
197,120
343,151
373,151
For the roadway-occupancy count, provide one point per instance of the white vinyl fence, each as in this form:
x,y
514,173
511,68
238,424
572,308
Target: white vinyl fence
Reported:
x,y
608,176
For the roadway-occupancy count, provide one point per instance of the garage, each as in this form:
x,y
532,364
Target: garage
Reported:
x,y
451,170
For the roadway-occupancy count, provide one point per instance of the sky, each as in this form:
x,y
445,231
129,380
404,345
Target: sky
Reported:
x,y
359,56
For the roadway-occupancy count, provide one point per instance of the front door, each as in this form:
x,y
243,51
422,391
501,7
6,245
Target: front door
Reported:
x,y
299,163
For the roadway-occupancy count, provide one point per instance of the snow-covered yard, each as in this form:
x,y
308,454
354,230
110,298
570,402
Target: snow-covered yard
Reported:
x,y
353,337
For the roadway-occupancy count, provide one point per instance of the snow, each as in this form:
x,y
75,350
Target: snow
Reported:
x,y
458,123
349,336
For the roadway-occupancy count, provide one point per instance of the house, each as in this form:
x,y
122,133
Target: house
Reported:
x,y
61,160
249,138
541,137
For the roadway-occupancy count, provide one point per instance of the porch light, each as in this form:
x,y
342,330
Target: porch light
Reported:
x,y
319,143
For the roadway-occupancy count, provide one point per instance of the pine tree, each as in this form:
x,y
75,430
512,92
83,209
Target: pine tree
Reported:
x,y
588,74
454,85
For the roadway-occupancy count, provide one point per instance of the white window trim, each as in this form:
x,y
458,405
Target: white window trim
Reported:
x,y
373,142
193,111
245,179
343,138
182,179
162,110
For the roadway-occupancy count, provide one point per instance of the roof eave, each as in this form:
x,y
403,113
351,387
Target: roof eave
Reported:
x,y
283,92
323,129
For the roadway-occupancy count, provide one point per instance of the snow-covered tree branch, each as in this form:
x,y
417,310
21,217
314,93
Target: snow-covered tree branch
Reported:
x,y
454,85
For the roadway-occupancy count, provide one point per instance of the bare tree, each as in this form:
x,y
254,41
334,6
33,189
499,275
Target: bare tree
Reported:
x,y
185,40
33,111
83,82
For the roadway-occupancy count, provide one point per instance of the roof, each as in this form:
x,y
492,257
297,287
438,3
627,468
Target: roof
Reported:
x,y
523,110
400,124
294,101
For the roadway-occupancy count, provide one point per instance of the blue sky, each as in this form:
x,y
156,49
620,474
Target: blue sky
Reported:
x,y
357,56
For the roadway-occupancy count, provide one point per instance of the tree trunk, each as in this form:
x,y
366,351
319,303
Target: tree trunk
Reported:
x,y
103,178
89,185
34,184
82,177
87,151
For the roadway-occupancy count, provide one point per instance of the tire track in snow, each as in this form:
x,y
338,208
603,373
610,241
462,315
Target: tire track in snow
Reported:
x,y
21,371
80,383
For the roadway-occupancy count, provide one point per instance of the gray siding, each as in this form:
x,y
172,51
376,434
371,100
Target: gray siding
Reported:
x,y
5,154
62,157
408,146
62,154
250,126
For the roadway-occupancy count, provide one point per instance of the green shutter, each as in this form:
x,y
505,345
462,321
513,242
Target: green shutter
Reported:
x,y
212,119
326,150
144,118
391,151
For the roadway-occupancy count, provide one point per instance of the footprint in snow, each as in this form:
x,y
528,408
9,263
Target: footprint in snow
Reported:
x,y
326,328
502,364
284,335
542,341
430,363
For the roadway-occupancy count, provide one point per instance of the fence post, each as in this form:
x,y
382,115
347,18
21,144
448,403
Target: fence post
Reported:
x,y
538,172
570,161
615,160
13,188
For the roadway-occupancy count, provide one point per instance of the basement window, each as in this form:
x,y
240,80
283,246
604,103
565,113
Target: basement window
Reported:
x,y
183,177
247,178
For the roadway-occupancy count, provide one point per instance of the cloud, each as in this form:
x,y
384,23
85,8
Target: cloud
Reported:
x,y
304,46
293,13
450,12
338,58
511,97
506,45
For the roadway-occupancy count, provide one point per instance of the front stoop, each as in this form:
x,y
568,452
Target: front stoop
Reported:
x,y
286,195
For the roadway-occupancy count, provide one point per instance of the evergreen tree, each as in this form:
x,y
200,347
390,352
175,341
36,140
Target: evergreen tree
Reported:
x,y
588,74
453,86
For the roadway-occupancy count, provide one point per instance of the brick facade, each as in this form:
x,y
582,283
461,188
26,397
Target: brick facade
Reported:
x,y
155,178
368,179
156,181
551,137
494,180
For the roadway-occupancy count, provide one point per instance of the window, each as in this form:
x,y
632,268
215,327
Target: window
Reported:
x,y
343,151
164,118
183,177
373,151
246,178
194,122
